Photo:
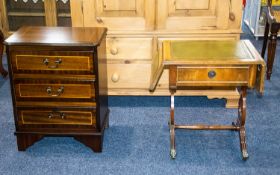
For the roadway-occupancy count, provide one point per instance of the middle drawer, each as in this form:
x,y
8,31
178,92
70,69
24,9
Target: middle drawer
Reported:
x,y
54,90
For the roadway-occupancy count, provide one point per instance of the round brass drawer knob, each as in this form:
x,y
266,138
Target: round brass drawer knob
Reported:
x,y
115,77
212,74
114,51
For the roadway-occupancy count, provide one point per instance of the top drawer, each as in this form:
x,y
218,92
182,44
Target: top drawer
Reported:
x,y
129,48
43,61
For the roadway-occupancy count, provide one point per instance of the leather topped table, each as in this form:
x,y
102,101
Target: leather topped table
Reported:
x,y
211,64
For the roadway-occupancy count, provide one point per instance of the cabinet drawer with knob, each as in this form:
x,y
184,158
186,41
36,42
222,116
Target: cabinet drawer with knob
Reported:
x,y
128,75
52,61
213,75
47,117
129,48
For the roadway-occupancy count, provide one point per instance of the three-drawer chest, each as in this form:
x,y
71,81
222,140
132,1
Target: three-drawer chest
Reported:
x,y
58,79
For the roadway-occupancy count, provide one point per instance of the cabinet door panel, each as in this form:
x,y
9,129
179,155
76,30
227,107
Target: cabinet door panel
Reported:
x,y
119,5
119,8
117,14
193,15
190,4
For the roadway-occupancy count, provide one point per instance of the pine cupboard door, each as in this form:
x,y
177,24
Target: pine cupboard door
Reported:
x,y
198,14
116,14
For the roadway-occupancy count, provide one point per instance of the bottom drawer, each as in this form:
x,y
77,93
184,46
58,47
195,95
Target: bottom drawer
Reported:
x,y
44,118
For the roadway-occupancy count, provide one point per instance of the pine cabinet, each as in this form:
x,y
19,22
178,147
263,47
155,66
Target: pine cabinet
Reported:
x,y
137,28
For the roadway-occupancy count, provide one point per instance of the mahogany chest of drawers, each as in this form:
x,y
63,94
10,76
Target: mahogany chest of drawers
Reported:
x,y
58,79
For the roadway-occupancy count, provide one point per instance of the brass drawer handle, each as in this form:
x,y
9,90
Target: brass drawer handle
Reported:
x,y
53,115
57,62
212,74
58,92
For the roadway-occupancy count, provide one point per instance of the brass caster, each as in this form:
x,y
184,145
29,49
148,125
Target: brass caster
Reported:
x,y
245,155
173,153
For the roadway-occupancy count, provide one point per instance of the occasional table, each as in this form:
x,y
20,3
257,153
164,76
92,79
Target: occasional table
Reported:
x,y
205,64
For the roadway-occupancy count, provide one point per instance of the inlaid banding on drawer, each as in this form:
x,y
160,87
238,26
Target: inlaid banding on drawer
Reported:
x,y
82,91
213,75
63,117
53,63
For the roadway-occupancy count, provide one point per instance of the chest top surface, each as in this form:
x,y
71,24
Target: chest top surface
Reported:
x,y
57,36
209,52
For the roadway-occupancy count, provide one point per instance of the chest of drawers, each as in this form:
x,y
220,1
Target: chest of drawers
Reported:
x,y
59,84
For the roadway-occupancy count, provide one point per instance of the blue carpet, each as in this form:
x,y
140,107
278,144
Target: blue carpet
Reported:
x,y
137,141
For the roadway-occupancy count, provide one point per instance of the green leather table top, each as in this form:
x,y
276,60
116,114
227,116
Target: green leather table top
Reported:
x,y
216,52
208,50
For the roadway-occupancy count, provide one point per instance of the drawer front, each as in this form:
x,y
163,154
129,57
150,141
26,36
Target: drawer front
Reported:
x,y
54,91
129,48
212,75
52,61
129,76
56,117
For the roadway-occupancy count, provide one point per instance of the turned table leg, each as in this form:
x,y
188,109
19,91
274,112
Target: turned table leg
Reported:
x,y
266,31
240,123
172,128
271,51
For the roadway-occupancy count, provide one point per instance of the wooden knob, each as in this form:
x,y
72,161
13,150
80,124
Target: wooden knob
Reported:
x,y
99,20
114,51
232,16
115,77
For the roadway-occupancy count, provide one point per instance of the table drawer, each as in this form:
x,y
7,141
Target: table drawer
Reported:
x,y
129,48
52,61
212,75
56,117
